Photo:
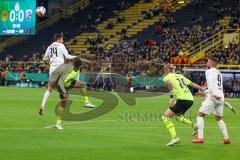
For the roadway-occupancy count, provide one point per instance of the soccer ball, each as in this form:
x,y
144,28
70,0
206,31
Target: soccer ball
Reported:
x,y
40,11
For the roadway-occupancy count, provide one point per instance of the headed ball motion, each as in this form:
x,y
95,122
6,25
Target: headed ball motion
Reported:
x,y
40,11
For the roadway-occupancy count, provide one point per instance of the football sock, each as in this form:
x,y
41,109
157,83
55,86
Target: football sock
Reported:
x,y
85,98
200,124
45,98
59,119
84,94
222,127
170,126
60,111
184,120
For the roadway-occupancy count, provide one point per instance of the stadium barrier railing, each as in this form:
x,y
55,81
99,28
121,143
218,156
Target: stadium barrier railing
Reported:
x,y
209,46
101,81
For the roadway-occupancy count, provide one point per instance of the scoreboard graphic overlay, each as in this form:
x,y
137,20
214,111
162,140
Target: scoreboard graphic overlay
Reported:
x,y
17,17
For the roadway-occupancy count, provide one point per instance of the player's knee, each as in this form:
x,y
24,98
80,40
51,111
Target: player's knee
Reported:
x,y
64,102
200,114
165,114
50,85
50,89
168,113
218,118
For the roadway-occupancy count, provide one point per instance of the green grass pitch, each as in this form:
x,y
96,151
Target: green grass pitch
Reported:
x,y
24,135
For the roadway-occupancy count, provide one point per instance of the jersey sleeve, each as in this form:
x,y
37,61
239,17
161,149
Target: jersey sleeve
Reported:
x,y
165,79
46,55
65,53
187,81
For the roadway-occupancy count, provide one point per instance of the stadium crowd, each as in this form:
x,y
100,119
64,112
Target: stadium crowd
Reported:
x,y
232,88
141,57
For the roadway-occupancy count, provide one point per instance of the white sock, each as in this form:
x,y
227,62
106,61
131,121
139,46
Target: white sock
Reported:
x,y
45,98
223,128
200,124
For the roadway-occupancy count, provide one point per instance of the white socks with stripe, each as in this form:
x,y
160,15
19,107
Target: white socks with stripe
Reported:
x,y
45,98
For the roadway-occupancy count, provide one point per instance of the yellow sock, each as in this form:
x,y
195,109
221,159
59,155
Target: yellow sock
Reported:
x,y
84,94
170,126
184,120
85,98
59,119
60,114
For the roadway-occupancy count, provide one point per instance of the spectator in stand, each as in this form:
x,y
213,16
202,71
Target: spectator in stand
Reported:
x,y
110,25
166,6
61,9
3,77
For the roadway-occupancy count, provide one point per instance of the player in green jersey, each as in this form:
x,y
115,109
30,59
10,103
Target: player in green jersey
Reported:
x,y
64,78
178,86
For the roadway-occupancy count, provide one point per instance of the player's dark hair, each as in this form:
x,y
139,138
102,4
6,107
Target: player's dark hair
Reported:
x,y
77,63
57,36
213,58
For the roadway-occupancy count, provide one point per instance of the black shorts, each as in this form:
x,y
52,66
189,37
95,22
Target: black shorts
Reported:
x,y
181,106
61,93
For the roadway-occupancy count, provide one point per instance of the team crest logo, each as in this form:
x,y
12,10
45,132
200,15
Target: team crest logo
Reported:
x,y
17,7
28,14
4,16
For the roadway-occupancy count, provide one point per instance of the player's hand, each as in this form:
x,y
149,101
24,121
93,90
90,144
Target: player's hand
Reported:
x,y
203,89
172,101
217,98
205,97
78,56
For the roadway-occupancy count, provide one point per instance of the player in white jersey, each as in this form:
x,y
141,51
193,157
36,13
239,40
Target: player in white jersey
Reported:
x,y
214,101
56,54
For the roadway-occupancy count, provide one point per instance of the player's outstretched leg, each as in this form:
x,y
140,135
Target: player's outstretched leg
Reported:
x,y
229,106
171,128
60,111
184,120
45,98
198,128
83,91
223,129
44,101
86,99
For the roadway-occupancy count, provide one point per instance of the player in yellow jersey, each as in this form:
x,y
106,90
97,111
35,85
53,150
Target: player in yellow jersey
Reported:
x,y
178,86
64,78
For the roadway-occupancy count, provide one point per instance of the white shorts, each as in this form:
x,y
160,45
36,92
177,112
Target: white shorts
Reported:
x,y
210,105
52,68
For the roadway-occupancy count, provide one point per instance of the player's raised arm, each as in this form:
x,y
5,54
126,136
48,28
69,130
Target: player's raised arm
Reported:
x,y
65,53
196,86
193,85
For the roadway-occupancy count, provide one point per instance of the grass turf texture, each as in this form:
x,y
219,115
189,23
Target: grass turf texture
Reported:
x,y
23,136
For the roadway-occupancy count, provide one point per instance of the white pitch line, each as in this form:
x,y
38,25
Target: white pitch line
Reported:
x,y
109,128
137,128
67,123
